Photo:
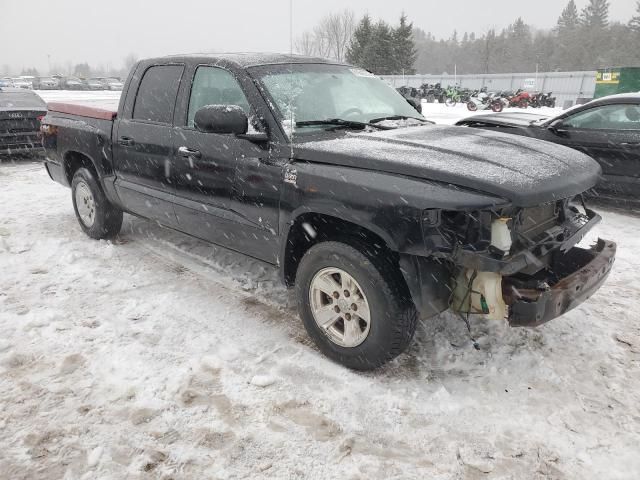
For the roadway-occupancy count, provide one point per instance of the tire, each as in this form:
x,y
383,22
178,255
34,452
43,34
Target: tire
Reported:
x,y
497,107
523,104
472,107
392,316
97,217
450,102
431,98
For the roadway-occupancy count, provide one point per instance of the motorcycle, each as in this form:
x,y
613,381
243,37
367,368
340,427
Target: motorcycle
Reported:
x,y
452,96
485,101
520,99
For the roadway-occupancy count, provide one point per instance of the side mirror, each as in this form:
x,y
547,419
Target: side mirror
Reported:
x,y
557,128
221,119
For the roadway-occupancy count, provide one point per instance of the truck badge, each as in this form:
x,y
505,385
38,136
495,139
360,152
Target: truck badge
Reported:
x,y
290,176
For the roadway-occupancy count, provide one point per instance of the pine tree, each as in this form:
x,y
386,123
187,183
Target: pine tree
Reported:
x,y
380,53
596,14
569,19
361,43
404,50
634,24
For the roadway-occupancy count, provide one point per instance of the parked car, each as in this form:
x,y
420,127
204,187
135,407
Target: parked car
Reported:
x,y
6,82
72,83
46,83
23,82
113,83
20,115
607,129
372,213
96,84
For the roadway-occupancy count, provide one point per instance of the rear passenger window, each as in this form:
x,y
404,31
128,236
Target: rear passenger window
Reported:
x,y
157,94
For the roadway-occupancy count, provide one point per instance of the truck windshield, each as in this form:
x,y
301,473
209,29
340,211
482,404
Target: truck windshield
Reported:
x,y
305,95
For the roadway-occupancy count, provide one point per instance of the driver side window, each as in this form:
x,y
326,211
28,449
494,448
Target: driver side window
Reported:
x,y
608,117
214,86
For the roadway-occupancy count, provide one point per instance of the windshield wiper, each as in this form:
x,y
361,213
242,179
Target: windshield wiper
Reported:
x,y
339,122
399,117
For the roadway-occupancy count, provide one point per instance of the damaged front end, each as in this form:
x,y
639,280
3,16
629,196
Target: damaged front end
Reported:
x,y
522,264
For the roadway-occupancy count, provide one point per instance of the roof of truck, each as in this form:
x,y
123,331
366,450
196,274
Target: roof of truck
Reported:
x,y
253,59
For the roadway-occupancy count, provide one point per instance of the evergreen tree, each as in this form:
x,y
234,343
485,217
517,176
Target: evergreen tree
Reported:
x,y
404,49
634,24
569,19
381,50
360,43
596,14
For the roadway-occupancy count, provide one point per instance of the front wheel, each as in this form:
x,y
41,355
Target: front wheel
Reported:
x,y
472,107
497,107
450,102
356,314
98,218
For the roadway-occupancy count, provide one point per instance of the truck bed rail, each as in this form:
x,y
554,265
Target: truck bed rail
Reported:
x,y
82,110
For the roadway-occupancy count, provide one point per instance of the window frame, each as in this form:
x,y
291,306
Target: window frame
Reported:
x,y
175,103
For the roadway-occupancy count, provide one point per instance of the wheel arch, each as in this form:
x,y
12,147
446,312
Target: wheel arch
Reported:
x,y
73,160
311,227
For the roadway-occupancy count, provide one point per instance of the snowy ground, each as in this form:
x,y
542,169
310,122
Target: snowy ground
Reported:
x,y
160,356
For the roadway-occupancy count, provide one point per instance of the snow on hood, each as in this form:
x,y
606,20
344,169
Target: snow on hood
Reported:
x,y
523,170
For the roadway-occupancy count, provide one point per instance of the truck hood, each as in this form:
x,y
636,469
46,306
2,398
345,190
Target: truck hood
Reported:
x,y
523,170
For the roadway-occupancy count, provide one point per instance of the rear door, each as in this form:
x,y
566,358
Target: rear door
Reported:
x,y
143,146
610,134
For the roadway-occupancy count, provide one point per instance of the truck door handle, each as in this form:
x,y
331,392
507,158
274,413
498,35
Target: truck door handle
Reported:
x,y
189,152
126,141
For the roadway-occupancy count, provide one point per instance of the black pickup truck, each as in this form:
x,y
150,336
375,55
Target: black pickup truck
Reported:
x,y
374,214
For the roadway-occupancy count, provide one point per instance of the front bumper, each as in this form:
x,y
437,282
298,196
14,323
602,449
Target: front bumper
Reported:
x,y
579,274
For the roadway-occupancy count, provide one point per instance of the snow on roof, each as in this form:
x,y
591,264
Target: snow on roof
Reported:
x,y
250,59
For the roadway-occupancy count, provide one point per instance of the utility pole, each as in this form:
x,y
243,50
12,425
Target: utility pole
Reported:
x,y
49,62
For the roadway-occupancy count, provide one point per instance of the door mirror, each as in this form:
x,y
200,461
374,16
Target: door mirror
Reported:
x,y
558,127
221,119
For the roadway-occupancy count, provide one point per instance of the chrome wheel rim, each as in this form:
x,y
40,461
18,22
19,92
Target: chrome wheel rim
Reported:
x,y
340,307
85,204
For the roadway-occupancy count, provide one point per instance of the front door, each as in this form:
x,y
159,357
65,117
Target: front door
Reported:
x,y
227,188
609,134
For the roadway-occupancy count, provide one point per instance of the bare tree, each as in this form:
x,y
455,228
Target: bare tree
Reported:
x,y
129,61
330,38
305,44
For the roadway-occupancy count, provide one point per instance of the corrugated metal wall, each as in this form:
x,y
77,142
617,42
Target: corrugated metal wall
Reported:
x,y
566,86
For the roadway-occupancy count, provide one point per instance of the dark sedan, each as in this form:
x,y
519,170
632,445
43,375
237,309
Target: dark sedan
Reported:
x,y
20,115
607,129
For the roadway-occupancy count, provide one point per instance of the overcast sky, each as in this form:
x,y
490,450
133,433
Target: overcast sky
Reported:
x,y
104,32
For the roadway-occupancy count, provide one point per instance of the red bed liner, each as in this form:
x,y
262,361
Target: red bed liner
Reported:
x,y
82,110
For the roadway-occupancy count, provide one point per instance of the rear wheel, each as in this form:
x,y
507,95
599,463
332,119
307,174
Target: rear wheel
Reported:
x,y
98,218
354,311
472,107
450,102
